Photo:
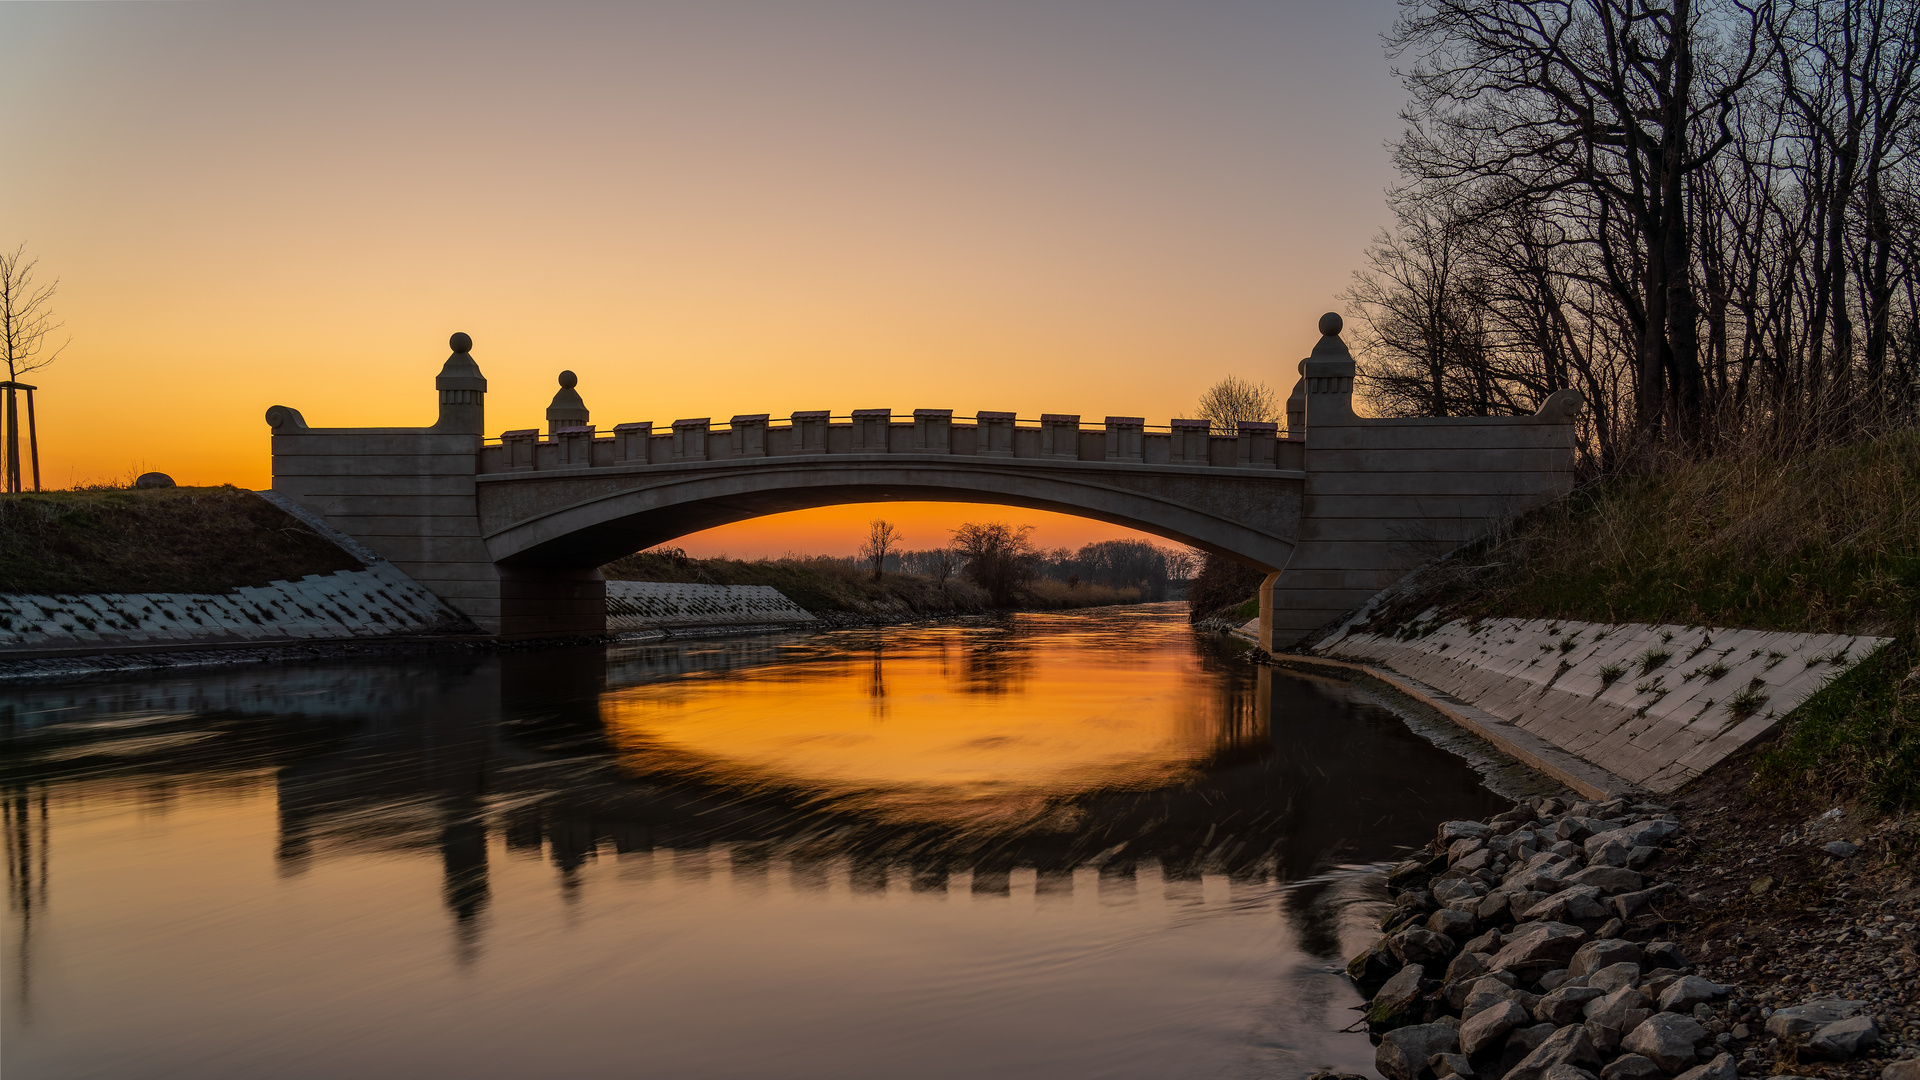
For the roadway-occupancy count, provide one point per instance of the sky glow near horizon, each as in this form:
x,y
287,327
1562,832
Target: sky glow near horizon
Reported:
x,y
1081,207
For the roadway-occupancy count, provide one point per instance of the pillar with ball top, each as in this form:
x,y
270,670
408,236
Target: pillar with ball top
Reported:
x,y
463,391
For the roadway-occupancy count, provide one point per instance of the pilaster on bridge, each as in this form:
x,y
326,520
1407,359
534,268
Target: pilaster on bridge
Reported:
x,y
511,530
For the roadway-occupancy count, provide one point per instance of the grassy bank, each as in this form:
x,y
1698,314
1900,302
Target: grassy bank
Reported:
x,y
187,540
825,586
1827,541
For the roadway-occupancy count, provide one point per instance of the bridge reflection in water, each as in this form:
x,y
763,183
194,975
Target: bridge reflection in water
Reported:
x,y
1106,760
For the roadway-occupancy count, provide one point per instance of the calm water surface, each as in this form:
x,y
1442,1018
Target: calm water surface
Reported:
x,y
1062,846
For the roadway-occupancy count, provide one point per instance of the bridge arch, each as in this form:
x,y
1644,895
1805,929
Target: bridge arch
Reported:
x,y
595,519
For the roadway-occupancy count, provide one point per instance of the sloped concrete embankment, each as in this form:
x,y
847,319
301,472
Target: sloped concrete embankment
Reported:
x,y
378,601
664,605
1602,707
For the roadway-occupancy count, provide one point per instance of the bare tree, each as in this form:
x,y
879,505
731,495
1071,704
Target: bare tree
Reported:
x,y
1183,563
882,538
1000,558
1233,399
26,315
943,562
1612,103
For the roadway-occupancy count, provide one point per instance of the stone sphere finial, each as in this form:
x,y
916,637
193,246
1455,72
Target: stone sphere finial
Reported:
x,y
461,343
1330,324
568,380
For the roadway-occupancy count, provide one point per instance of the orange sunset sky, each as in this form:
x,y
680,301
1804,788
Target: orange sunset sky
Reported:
x,y
703,209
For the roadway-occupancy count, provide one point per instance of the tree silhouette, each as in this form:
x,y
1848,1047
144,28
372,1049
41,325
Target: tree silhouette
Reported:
x,y
26,315
882,537
1233,399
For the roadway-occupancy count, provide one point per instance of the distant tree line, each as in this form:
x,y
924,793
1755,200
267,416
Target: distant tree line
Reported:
x,y
1702,214
1003,560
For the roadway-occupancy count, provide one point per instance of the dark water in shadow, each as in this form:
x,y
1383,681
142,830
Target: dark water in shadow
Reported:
x,y
1086,845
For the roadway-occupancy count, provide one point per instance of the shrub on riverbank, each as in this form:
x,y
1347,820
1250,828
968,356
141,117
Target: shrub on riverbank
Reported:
x,y
1224,588
183,540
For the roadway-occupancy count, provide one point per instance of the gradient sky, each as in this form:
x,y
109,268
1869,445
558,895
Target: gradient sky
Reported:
x,y
703,209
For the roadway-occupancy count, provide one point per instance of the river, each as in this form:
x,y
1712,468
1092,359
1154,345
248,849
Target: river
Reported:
x,y
1092,844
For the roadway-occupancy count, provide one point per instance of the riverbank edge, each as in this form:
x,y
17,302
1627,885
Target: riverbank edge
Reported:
x,y
27,666
1794,927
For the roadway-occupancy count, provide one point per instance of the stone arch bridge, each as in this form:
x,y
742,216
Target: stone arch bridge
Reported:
x,y
511,530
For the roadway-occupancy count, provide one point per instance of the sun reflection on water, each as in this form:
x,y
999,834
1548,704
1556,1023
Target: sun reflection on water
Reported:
x,y
967,725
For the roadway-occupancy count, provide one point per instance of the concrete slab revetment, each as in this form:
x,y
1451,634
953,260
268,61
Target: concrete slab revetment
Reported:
x,y
1654,706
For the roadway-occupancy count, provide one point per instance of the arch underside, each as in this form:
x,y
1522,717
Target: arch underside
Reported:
x,y
589,521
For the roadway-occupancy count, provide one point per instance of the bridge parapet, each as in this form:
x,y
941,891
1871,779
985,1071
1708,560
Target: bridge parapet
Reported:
x,y
1052,437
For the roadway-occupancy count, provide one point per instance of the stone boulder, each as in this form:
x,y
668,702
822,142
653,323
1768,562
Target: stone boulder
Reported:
x,y
1418,945
1567,1046
1668,1040
1595,955
1479,860
1489,1026
1632,905
1809,1017
1376,963
1664,954
1488,943
1614,976
1644,834
1575,904
1408,875
1610,880
1688,991
1565,1006
1462,830
1533,950
1468,966
1845,1039
1484,994
1463,847
1631,1067
1902,1070
1404,1052
1454,924
1396,1002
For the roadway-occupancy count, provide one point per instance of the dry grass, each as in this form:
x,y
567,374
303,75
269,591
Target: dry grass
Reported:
x,y
190,540
1827,541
